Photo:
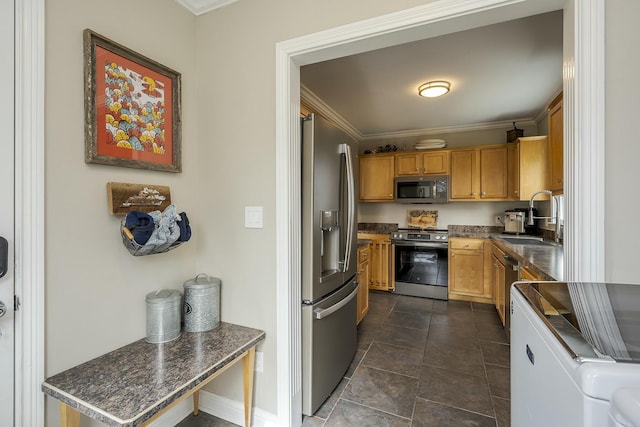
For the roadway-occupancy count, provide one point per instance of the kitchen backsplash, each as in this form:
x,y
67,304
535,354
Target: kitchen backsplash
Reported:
x,y
377,227
472,213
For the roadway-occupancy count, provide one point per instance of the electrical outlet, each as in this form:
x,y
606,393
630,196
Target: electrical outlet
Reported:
x,y
498,220
259,361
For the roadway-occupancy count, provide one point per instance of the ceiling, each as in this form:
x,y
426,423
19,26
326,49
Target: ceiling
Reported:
x,y
499,73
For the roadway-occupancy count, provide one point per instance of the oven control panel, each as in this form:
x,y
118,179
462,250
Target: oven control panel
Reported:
x,y
420,235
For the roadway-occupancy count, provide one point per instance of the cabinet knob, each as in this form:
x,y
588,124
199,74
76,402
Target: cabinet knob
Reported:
x,y
484,193
515,191
473,193
559,180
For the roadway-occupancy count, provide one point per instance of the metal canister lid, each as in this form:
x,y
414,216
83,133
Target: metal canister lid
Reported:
x,y
202,281
163,296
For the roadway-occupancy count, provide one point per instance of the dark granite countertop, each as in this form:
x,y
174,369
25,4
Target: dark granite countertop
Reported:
x,y
545,261
129,385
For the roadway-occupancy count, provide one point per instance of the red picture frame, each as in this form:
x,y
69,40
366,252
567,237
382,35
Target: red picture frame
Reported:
x,y
132,108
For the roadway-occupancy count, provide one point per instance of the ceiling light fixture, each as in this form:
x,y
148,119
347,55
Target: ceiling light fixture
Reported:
x,y
434,89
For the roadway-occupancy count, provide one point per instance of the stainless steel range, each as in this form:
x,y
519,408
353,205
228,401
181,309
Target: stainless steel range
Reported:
x,y
421,262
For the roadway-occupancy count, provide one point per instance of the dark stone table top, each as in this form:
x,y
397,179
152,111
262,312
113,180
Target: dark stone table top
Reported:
x,y
544,260
129,385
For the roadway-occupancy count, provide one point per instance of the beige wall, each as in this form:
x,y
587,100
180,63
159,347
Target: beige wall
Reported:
x,y
622,155
236,128
455,139
95,290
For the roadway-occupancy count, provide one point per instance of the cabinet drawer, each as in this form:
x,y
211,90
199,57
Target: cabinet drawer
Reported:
x,y
472,244
497,252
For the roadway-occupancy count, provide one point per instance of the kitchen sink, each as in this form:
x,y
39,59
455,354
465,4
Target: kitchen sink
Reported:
x,y
525,241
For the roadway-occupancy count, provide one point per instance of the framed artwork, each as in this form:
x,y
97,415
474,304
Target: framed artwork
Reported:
x,y
132,108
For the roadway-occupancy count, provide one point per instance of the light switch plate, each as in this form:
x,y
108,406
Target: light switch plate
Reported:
x,y
253,217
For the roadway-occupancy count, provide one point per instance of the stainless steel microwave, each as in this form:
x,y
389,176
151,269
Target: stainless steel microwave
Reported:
x,y
422,189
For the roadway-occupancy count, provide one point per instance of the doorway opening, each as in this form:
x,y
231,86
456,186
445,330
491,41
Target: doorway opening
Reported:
x,y
583,84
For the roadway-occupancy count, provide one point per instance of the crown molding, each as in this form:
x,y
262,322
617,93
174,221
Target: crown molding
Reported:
x,y
317,105
199,7
508,124
314,103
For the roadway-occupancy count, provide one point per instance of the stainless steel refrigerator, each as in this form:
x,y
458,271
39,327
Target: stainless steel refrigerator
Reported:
x,y
329,250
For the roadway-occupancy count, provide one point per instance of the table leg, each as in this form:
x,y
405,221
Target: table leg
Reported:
x,y
196,402
69,417
248,364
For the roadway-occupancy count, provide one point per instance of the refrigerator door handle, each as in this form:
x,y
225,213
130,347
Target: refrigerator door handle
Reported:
x,y
322,313
346,149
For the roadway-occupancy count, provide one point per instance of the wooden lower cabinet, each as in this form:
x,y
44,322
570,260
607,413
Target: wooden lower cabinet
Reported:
x,y
380,261
469,270
499,291
526,274
363,281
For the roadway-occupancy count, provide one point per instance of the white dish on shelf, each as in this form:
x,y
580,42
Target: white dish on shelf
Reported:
x,y
429,146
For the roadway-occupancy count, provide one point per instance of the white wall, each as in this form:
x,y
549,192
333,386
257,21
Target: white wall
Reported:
x,y
622,153
95,290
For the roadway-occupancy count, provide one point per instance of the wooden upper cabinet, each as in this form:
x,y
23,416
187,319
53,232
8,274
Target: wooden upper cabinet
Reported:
x,y
528,167
493,173
408,164
376,177
432,163
464,183
479,173
556,146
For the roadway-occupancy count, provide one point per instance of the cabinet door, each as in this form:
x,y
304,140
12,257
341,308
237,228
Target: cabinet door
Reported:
x,y
493,173
464,175
363,290
533,162
408,164
513,171
436,163
498,286
556,147
376,178
466,274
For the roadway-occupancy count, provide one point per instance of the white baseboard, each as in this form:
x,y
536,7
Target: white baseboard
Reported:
x,y
221,407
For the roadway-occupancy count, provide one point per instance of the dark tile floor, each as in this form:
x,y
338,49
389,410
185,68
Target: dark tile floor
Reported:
x,y
420,362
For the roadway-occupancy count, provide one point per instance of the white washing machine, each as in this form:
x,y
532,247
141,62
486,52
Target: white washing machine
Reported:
x,y
573,345
625,408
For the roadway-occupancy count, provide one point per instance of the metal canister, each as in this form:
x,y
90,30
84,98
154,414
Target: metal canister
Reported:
x,y
163,315
201,303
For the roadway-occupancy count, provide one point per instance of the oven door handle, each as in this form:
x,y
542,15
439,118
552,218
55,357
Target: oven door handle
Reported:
x,y
435,245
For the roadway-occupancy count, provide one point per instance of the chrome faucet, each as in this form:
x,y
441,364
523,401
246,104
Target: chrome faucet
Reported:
x,y
553,219
554,208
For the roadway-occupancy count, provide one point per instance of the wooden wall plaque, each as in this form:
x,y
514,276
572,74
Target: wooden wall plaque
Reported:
x,y
124,198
